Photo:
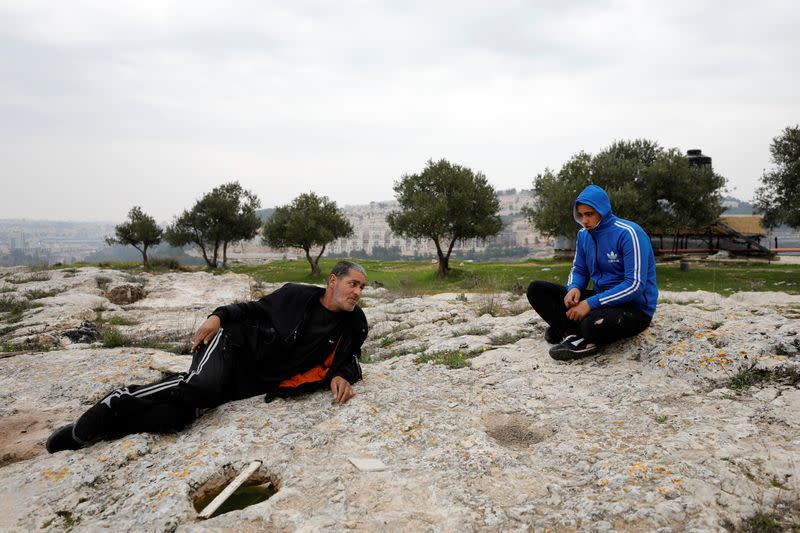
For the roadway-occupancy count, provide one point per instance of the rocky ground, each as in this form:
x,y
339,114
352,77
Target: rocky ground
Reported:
x,y
693,425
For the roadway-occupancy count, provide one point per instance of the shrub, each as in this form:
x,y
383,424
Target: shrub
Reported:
x,y
102,282
114,338
165,263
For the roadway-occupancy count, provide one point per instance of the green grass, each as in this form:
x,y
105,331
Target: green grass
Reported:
x,y
750,376
401,352
115,320
15,308
476,331
36,294
451,359
136,280
411,276
420,276
68,519
729,278
395,353
387,341
113,338
507,338
157,265
747,377
33,276
33,347
121,321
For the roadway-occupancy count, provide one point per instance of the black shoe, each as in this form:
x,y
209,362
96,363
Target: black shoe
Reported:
x,y
63,439
573,347
94,424
552,336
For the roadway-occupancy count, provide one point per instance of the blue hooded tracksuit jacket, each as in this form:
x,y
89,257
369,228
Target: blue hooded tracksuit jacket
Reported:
x,y
616,255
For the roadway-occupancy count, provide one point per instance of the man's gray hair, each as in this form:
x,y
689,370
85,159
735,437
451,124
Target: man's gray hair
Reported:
x,y
343,267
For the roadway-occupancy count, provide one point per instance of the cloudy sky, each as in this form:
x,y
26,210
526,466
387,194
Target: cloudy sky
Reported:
x,y
106,105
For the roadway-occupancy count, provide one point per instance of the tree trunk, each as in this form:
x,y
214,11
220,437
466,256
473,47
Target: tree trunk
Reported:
x,y
142,251
316,261
444,261
224,254
205,254
216,253
314,266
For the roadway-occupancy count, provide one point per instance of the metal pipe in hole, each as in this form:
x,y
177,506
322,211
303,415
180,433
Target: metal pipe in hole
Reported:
x,y
225,494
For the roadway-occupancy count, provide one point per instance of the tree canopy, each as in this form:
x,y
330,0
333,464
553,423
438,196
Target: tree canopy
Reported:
x,y
309,221
139,231
655,187
778,197
446,203
221,217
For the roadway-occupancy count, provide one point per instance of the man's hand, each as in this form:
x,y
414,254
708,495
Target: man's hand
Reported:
x,y
572,298
206,331
341,389
579,311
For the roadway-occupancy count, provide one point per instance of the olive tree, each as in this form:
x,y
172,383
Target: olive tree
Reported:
x,y
139,231
221,217
657,188
446,203
778,197
310,221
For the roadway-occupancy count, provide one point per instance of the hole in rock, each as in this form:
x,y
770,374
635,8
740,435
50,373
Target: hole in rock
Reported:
x,y
515,430
257,488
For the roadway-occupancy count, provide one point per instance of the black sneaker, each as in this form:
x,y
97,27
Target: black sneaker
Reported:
x,y
573,347
94,424
552,336
63,439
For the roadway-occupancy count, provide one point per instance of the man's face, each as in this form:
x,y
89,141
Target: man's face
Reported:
x,y
346,290
588,216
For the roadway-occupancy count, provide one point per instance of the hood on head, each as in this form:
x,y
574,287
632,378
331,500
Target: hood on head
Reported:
x,y
595,197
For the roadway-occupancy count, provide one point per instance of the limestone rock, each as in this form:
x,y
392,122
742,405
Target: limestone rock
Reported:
x,y
647,435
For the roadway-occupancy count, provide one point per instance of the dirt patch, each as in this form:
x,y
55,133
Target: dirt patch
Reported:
x,y
515,431
126,294
24,433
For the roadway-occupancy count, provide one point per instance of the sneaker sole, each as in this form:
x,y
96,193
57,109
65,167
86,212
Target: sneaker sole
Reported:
x,y
568,355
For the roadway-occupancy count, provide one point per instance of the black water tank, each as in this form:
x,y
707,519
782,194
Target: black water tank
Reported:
x,y
696,157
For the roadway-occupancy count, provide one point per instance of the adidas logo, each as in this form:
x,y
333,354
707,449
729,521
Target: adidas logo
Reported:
x,y
612,257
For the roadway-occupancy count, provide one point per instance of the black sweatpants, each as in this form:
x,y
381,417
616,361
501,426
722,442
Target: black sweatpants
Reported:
x,y
215,376
600,326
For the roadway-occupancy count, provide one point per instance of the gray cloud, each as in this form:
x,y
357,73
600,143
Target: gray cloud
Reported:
x,y
165,101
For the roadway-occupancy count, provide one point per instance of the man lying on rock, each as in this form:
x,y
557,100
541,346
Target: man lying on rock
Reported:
x,y
615,254
297,339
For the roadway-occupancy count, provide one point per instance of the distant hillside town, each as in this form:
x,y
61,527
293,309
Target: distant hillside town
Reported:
x,y
34,242
372,237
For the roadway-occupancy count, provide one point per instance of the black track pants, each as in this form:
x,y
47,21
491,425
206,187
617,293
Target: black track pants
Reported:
x,y
213,378
601,326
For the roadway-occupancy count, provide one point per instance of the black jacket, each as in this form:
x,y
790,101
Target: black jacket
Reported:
x,y
265,330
